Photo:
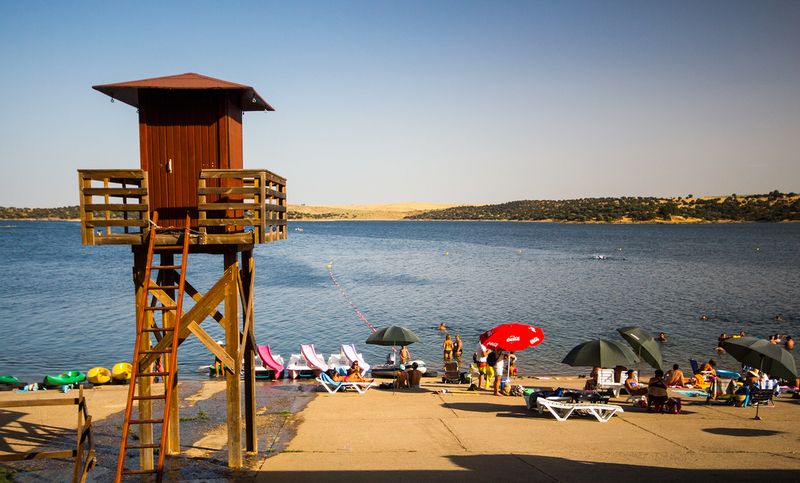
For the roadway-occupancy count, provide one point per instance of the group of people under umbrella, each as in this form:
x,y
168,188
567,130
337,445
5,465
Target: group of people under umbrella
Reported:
x,y
757,353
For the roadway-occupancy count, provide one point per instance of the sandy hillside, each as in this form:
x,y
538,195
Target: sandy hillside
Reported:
x,y
393,211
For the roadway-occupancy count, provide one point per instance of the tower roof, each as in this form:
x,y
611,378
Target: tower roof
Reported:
x,y
128,92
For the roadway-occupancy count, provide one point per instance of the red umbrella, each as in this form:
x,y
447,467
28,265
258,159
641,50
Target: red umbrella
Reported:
x,y
512,337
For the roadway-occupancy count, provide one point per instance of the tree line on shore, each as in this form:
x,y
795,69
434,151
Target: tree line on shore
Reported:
x,y
771,207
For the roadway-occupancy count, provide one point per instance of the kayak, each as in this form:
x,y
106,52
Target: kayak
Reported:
x,y
8,380
69,377
121,371
98,375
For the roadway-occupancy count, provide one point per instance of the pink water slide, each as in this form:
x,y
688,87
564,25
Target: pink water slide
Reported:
x,y
313,358
269,361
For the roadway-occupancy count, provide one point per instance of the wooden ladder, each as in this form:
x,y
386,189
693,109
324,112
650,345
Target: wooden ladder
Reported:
x,y
147,326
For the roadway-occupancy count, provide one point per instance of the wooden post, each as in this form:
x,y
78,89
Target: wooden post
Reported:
x,y
234,391
173,445
145,406
248,265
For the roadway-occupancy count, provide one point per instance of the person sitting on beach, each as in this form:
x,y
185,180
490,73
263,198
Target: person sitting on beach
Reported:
x,y
709,367
404,355
789,344
660,338
591,382
675,377
632,385
402,378
354,374
448,348
656,391
414,376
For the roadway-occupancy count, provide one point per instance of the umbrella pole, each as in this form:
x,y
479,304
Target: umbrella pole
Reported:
x,y
761,371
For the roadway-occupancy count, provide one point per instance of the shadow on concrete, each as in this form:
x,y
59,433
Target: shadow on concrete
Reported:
x,y
527,468
742,432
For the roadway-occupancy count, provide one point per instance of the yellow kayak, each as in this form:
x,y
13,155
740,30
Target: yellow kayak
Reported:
x,y
98,375
121,371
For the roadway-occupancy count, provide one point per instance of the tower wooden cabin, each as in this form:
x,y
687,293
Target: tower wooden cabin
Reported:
x,y
190,195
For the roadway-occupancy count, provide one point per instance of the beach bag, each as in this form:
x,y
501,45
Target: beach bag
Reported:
x,y
517,390
506,391
674,405
475,357
491,359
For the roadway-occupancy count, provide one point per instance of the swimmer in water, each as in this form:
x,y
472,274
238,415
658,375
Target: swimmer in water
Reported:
x,y
442,327
660,338
703,317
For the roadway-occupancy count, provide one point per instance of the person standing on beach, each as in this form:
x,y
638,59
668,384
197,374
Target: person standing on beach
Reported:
x,y
457,347
448,348
497,361
480,356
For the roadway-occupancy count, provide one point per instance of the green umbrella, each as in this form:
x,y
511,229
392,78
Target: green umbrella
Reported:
x,y
643,345
393,335
600,353
768,357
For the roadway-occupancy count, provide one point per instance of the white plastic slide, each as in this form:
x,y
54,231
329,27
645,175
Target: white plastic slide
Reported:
x,y
269,360
314,360
349,351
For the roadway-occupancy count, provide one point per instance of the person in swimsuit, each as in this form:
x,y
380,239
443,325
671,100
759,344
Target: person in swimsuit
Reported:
x,y
448,348
457,346
632,385
675,377
404,355
660,338
657,391
442,327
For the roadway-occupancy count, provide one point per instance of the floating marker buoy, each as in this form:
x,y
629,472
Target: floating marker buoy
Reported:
x,y
520,251
446,253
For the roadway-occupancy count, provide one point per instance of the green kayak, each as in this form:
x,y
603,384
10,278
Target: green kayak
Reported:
x,y
8,380
69,377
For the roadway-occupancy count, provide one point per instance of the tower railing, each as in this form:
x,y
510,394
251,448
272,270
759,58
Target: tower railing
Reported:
x,y
113,198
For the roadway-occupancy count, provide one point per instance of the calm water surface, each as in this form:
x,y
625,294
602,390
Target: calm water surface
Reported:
x,y
64,306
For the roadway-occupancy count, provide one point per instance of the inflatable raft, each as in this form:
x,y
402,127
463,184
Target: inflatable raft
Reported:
x,y
69,377
98,375
121,371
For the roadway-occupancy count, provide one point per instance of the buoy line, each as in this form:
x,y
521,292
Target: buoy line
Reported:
x,y
345,297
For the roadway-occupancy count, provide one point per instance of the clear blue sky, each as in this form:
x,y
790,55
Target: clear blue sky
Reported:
x,y
428,101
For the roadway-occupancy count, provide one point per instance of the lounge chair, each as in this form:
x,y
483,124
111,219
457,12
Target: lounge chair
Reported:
x,y
563,410
606,382
451,373
349,351
332,386
721,390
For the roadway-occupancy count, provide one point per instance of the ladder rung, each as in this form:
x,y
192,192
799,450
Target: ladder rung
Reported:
x,y
158,329
152,374
160,267
168,247
148,398
142,446
163,307
155,351
146,421
165,287
139,472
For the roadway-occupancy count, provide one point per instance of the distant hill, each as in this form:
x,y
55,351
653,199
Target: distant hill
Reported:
x,y
772,207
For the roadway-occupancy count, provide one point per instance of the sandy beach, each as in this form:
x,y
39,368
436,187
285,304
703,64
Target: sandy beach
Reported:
x,y
306,434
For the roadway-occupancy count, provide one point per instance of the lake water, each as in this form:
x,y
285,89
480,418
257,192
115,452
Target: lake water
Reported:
x,y
64,306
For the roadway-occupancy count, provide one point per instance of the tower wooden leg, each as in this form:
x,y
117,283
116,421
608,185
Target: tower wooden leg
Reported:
x,y
251,441
234,391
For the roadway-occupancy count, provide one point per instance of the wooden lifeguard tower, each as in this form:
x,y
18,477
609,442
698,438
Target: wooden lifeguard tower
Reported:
x,y
191,195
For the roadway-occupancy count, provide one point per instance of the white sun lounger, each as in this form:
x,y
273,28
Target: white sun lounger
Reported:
x,y
332,386
563,410
349,351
